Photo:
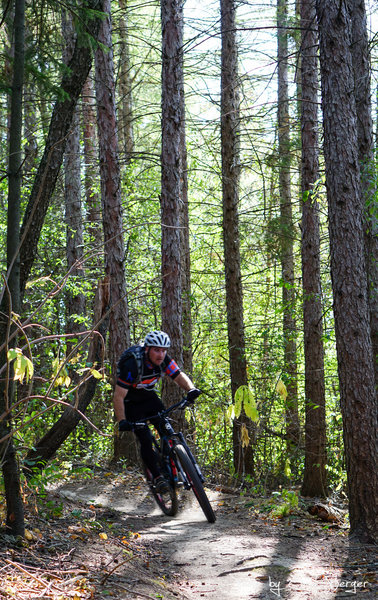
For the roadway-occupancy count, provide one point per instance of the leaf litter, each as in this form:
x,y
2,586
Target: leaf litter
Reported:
x,y
102,538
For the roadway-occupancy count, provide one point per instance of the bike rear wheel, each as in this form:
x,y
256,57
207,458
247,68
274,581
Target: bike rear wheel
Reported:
x,y
195,482
166,501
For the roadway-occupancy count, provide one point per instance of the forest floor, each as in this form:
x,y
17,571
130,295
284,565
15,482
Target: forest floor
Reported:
x,y
102,537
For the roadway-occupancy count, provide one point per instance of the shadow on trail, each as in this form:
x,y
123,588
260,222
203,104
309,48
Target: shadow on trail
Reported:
x,y
137,504
360,571
278,571
239,557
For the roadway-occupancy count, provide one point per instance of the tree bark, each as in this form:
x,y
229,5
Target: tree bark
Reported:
x,y
92,197
75,302
11,302
30,129
314,477
119,329
362,91
187,351
287,232
348,268
49,167
230,118
125,129
171,191
112,219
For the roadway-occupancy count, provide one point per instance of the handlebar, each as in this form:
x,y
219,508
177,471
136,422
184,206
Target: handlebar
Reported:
x,y
178,406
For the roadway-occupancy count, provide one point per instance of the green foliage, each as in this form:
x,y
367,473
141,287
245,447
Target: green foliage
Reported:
x,y
23,366
282,504
261,235
244,399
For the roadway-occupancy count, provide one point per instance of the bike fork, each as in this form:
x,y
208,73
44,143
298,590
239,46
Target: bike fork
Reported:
x,y
183,442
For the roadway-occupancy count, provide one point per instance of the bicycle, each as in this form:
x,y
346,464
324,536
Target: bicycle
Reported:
x,y
177,464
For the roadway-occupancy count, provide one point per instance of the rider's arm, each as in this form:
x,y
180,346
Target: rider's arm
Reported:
x,y
118,402
184,382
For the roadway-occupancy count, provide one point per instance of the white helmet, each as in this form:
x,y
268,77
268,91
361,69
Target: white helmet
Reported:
x,y
158,339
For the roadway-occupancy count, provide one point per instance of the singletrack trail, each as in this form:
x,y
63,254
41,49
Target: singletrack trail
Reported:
x,y
244,555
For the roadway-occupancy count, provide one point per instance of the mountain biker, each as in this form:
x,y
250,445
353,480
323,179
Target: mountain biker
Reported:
x,y
139,370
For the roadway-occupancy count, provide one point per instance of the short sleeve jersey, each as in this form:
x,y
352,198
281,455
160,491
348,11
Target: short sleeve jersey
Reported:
x,y
128,376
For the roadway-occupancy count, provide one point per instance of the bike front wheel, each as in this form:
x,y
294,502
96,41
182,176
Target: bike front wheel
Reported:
x,y
195,482
166,501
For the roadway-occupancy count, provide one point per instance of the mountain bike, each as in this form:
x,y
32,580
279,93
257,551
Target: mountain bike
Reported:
x,y
177,465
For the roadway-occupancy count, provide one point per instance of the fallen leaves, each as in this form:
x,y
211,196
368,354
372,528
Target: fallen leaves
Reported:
x,y
26,582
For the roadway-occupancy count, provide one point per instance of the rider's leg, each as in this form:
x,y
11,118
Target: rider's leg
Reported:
x,y
149,458
143,404
146,450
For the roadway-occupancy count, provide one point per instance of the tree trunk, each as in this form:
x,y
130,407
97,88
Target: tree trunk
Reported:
x,y
11,302
119,329
243,457
362,91
348,268
92,197
75,302
187,351
125,129
314,477
287,232
49,167
171,191
30,129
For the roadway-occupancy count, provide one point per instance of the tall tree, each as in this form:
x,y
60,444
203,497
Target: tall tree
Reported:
x,y
171,190
51,161
112,214
125,111
92,196
11,301
75,301
287,230
185,256
46,447
119,329
230,121
314,477
187,352
348,268
361,61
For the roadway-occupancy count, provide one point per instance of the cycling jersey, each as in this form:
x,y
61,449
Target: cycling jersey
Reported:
x,y
129,377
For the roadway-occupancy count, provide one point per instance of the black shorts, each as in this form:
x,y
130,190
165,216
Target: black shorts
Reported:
x,y
141,404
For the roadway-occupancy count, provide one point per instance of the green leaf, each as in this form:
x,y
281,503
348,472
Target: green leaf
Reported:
x,y
287,469
96,374
281,389
244,398
250,406
61,374
230,413
239,399
23,367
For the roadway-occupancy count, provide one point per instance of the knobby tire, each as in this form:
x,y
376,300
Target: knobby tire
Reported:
x,y
195,482
167,502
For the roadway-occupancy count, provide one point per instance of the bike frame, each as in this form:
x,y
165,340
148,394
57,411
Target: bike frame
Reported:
x,y
178,464
166,446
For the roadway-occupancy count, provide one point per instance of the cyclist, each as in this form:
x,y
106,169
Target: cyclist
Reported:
x,y
139,370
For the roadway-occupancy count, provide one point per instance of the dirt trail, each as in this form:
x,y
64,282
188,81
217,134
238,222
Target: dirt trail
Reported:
x,y
243,555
